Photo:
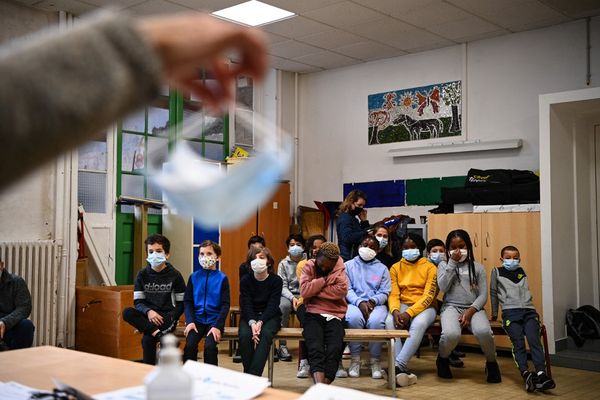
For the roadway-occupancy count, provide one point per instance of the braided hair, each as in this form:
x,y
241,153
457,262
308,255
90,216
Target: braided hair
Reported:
x,y
462,234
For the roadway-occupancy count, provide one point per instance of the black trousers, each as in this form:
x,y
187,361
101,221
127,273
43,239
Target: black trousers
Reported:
x,y
255,358
324,342
20,336
211,350
301,314
518,324
140,321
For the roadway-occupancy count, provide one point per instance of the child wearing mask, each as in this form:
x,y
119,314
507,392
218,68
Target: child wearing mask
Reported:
x,y
157,297
464,284
206,304
260,320
291,287
368,289
509,288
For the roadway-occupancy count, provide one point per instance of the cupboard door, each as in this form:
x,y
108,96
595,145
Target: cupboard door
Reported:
x,y
439,225
274,222
234,244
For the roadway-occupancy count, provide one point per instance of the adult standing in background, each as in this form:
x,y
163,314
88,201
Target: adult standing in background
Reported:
x,y
352,224
16,331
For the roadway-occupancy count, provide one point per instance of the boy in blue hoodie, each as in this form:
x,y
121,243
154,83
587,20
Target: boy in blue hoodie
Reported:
x,y
206,304
369,286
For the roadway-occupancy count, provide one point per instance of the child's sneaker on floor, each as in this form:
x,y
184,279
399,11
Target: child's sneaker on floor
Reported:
x,y
455,361
529,379
376,372
544,382
284,353
303,369
492,371
405,377
341,372
354,370
346,354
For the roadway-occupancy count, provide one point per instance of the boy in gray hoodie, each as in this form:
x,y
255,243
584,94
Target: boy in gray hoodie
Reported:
x,y
509,288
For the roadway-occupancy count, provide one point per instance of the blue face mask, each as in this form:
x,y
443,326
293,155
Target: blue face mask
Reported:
x,y
382,242
411,254
295,251
436,258
510,264
156,259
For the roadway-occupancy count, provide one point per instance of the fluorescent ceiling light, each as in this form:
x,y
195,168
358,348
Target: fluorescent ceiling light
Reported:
x,y
253,13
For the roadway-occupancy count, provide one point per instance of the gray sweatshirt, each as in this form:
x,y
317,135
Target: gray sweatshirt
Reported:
x,y
15,299
458,292
60,89
287,272
510,289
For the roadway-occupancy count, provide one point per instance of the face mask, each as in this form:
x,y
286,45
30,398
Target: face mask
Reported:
x,y
382,242
357,211
259,265
366,253
463,252
436,258
411,254
156,259
214,197
295,251
207,262
510,264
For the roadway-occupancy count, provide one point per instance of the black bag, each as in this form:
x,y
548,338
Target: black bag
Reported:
x,y
488,177
583,323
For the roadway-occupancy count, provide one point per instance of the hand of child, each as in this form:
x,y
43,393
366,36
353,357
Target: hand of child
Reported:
x,y
155,318
455,255
397,322
216,334
364,309
405,320
295,303
188,328
465,318
2,329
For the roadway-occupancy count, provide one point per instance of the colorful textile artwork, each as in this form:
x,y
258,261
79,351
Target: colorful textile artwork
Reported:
x,y
426,112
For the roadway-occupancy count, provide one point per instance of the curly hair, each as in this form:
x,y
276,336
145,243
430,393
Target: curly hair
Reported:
x,y
329,250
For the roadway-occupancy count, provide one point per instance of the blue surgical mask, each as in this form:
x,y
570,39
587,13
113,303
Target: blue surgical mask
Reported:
x,y
510,264
295,250
411,254
156,259
436,258
382,242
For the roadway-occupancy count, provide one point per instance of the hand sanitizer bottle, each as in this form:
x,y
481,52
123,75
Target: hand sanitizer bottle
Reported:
x,y
168,381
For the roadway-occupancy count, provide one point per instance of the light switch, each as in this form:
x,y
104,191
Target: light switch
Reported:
x,y
275,205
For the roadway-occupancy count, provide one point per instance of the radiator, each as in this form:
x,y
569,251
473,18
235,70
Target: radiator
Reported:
x,y
39,263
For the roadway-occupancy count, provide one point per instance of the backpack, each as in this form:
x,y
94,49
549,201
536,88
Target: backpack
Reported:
x,y
583,323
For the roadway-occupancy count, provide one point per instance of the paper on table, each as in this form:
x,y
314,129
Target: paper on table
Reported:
x,y
16,391
329,392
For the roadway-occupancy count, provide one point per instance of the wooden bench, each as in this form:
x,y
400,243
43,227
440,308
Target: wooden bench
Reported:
x,y
351,335
436,330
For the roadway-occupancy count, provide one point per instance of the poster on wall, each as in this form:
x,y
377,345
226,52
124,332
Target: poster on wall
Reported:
x,y
421,113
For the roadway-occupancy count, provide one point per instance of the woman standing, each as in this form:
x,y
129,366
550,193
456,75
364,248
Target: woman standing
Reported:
x,y
352,224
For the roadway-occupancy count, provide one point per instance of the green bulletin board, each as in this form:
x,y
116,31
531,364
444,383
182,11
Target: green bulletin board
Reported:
x,y
427,191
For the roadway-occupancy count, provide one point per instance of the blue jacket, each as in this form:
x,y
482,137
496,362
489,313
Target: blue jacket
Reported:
x,y
367,280
206,299
350,233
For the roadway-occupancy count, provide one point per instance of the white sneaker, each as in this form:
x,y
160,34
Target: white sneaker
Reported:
x,y
354,370
405,379
376,372
303,369
346,354
341,372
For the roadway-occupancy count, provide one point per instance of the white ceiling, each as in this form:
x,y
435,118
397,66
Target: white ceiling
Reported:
x,y
329,34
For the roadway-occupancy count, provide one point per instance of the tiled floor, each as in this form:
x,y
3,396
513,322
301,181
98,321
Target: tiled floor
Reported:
x,y
468,383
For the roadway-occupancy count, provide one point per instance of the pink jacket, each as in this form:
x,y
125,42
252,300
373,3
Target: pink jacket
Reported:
x,y
325,295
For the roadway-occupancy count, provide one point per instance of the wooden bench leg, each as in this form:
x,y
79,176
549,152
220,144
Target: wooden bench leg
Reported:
x,y
546,351
392,366
270,362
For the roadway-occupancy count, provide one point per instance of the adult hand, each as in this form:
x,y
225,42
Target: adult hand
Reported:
x,y
2,329
363,215
188,328
364,309
216,334
188,42
465,318
155,318
295,303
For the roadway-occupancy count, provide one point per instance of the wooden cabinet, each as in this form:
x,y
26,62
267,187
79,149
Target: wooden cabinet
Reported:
x,y
490,232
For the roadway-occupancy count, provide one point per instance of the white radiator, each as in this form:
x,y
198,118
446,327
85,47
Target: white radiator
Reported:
x,y
39,263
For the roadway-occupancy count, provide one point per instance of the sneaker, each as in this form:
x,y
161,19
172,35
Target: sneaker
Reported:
x,y
354,370
236,357
284,353
346,355
456,353
443,368
405,378
303,369
529,379
341,372
492,371
455,361
544,382
376,372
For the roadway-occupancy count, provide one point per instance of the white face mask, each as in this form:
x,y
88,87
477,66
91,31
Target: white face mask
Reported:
x,y
207,262
214,197
366,253
156,259
259,265
463,252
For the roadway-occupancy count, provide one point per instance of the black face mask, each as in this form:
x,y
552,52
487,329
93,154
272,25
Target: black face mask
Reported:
x,y
357,211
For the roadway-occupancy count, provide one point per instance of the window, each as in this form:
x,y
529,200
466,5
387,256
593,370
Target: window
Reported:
x,y
91,190
244,135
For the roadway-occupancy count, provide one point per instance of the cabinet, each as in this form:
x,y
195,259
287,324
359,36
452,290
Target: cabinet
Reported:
x,y
490,232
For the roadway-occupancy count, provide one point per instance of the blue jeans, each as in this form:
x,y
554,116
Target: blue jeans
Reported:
x,y
20,336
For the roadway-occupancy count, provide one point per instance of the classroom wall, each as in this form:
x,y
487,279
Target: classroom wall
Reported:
x,y
27,211
505,75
